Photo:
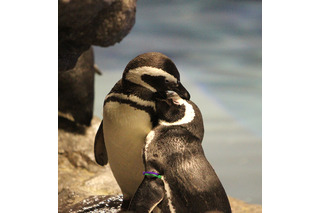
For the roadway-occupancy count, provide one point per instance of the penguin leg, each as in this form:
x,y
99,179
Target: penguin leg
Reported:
x,y
149,194
100,151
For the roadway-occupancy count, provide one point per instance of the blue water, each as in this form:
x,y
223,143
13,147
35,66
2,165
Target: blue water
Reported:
x,y
216,46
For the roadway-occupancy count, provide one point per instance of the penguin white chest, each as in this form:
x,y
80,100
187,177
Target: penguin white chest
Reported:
x,y
125,129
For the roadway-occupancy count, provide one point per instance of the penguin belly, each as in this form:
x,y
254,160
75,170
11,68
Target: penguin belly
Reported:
x,y
125,129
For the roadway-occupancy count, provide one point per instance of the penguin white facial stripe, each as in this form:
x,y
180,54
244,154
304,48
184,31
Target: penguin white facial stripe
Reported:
x,y
168,194
132,98
188,114
134,76
137,80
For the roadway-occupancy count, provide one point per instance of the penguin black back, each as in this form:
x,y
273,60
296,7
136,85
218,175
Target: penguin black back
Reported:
x,y
186,182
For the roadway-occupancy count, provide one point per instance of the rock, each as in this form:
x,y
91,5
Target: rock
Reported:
x,y
83,23
100,203
79,176
108,203
238,206
76,89
84,186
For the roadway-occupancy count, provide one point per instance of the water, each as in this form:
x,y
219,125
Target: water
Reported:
x,y
216,46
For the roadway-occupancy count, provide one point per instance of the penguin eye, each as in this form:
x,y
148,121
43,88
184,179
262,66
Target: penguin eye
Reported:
x,y
167,81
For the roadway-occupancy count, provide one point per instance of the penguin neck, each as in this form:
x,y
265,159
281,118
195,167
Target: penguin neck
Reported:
x,y
195,128
188,115
192,120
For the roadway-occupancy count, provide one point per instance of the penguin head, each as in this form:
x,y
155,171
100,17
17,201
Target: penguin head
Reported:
x,y
155,72
172,110
169,107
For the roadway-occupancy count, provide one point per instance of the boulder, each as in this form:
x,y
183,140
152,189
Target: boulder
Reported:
x,y
76,90
82,23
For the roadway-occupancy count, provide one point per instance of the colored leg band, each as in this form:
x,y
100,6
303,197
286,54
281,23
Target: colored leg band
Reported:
x,y
154,174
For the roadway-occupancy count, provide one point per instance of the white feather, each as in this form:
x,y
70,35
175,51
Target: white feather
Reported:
x,y
168,194
188,114
134,76
149,138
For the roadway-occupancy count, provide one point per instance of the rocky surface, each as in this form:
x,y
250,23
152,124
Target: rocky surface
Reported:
x,y
79,176
83,23
239,206
84,186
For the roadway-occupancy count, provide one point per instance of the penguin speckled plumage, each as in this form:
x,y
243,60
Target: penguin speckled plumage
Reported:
x,y
129,115
179,177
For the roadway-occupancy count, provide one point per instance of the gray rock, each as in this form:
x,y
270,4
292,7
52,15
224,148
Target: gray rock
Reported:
x,y
76,90
97,204
83,23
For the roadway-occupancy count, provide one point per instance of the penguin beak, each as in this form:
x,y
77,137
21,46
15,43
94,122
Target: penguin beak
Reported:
x,y
182,92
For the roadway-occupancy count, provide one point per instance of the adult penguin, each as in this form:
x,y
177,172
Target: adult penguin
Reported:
x,y
129,115
178,177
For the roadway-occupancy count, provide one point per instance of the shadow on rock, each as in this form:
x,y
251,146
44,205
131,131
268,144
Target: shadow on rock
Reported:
x,y
70,126
102,203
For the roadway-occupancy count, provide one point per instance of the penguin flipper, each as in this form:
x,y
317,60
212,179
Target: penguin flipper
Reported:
x,y
149,194
100,151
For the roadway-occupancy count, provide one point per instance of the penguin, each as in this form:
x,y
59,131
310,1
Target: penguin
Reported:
x,y
177,176
129,115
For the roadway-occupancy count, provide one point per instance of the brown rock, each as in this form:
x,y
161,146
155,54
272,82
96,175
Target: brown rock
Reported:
x,y
238,206
83,23
76,90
